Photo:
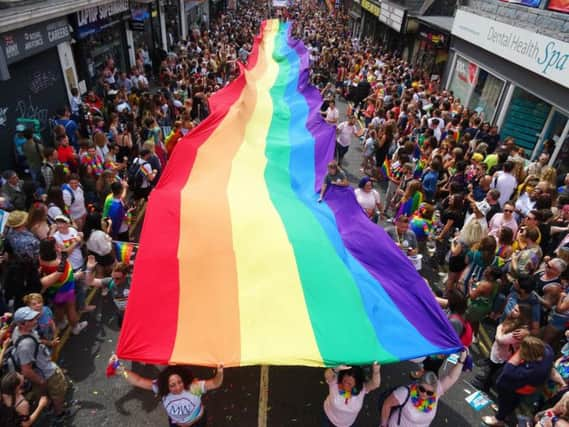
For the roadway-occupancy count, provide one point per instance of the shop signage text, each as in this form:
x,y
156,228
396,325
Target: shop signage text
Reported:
x,y
371,7
99,13
30,40
543,55
392,15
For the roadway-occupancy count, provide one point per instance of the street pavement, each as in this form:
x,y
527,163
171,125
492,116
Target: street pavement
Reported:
x,y
295,394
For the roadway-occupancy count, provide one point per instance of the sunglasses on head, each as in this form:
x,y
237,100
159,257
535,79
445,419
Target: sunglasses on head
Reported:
x,y
427,392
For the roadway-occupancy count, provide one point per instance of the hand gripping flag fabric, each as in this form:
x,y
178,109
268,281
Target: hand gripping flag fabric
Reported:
x,y
238,263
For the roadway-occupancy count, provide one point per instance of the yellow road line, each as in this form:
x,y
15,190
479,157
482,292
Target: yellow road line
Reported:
x,y
263,396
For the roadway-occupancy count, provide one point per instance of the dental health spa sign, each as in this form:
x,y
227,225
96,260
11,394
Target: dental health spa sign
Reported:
x,y
543,55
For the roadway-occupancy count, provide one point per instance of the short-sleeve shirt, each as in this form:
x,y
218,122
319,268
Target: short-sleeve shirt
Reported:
x,y
185,407
25,353
66,240
341,411
367,200
411,416
345,132
44,322
339,175
119,293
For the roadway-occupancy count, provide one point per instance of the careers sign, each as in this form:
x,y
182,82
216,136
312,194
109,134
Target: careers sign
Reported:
x,y
28,41
543,55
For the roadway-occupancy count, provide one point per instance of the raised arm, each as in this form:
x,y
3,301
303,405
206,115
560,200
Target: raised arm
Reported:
x,y
375,380
452,377
216,381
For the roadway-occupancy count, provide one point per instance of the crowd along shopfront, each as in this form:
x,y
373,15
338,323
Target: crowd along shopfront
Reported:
x,y
101,34
515,78
40,72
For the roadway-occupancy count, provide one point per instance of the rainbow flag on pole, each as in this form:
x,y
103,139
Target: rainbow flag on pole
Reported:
x,y
239,264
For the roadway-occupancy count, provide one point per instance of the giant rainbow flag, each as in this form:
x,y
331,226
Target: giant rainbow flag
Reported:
x,y
239,264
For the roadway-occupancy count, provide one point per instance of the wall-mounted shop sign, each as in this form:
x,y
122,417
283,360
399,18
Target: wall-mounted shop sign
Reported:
x,y
392,15
96,18
371,7
437,39
28,41
543,55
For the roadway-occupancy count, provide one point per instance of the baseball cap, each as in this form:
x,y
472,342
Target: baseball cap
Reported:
x,y
24,314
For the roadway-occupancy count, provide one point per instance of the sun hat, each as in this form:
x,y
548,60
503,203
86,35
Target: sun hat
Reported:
x,y
16,219
62,218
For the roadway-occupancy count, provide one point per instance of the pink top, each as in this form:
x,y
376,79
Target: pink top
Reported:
x,y
499,221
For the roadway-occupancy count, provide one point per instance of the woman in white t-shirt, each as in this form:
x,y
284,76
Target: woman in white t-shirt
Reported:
x,y
346,395
368,198
180,392
416,405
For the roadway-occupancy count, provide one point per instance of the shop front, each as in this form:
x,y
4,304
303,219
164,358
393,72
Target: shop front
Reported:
x,y
515,79
355,16
393,20
36,84
197,14
144,23
370,23
432,44
101,35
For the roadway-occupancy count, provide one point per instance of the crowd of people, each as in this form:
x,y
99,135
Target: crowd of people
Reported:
x,y
451,191
463,200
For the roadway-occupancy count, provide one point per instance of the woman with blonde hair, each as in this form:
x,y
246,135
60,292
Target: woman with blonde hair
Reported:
x,y
471,235
549,174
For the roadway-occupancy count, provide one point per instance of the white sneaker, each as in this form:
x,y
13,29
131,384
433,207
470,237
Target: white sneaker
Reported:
x,y
62,325
79,327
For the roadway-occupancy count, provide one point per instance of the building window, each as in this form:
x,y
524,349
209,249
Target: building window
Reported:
x,y
486,93
525,119
463,79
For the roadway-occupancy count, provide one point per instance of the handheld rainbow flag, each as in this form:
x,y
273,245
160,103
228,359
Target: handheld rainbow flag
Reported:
x,y
125,251
251,269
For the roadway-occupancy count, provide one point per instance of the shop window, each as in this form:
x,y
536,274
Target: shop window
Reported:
x,y
525,119
484,98
463,79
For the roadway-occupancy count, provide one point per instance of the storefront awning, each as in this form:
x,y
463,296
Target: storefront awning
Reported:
x,y
440,22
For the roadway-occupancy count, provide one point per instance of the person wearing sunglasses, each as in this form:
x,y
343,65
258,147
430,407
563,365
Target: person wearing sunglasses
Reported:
x,y
415,405
503,219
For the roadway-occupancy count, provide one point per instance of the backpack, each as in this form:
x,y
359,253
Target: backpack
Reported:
x,y
383,397
10,363
467,334
41,177
135,176
67,187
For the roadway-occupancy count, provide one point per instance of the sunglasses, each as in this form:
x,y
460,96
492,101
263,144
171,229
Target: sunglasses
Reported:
x,y
427,392
508,210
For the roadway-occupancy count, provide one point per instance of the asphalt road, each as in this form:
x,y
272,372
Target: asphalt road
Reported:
x,y
295,394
